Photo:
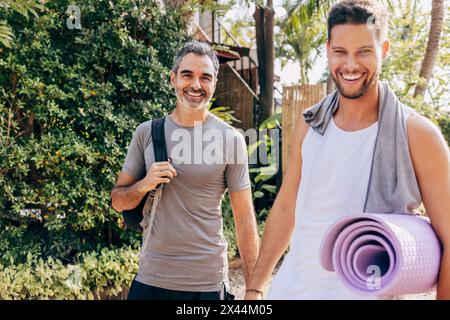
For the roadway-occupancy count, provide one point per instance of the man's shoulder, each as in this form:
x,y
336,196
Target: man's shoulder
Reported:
x,y
422,131
146,125
143,133
301,127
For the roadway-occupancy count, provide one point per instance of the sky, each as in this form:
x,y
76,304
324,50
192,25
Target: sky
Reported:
x,y
290,74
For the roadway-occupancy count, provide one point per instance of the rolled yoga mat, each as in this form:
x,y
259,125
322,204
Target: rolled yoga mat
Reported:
x,y
383,254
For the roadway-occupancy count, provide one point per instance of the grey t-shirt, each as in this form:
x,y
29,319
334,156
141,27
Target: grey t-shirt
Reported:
x,y
186,249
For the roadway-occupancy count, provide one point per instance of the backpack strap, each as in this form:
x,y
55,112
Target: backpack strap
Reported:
x,y
159,140
134,217
160,151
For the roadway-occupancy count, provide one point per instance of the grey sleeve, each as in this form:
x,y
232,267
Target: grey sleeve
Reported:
x,y
135,162
236,172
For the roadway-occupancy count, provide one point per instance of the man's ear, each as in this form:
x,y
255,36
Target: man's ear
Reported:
x,y
386,47
172,78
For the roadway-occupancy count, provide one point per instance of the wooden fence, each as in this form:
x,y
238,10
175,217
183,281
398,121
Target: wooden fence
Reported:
x,y
295,100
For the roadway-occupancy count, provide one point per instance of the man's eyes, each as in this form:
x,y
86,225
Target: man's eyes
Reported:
x,y
188,76
363,52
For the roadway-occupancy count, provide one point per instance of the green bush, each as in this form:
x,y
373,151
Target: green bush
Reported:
x,y
409,30
70,101
94,275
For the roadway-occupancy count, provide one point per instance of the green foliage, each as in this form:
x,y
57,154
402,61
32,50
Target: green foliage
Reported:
x,y
307,10
303,33
408,33
262,174
240,29
70,102
23,7
108,272
225,114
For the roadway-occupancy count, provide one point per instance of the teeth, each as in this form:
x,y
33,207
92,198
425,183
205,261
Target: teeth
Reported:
x,y
194,94
351,77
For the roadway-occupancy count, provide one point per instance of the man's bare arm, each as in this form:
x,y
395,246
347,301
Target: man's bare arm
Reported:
x,y
246,230
431,159
280,223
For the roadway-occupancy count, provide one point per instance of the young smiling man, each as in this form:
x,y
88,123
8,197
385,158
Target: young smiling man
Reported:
x,y
184,254
358,150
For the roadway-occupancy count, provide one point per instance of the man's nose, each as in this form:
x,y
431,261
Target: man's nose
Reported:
x,y
352,64
195,84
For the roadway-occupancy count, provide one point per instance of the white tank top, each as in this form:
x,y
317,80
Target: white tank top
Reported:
x,y
335,176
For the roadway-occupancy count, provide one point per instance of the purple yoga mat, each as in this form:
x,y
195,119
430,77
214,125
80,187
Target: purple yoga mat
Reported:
x,y
383,254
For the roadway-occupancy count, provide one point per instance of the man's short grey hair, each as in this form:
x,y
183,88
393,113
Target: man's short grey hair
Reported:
x,y
198,48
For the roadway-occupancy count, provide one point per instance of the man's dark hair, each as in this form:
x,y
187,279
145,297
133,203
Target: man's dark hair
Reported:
x,y
198,48
370,12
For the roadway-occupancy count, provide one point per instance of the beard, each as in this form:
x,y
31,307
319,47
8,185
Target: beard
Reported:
x,y
202,103
361,91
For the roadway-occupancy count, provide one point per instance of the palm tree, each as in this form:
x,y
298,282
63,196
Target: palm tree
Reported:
x,y
305,10
304,31
24,7
437,23
302,35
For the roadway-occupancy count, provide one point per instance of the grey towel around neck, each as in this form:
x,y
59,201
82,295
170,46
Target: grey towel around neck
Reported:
x,y
393,185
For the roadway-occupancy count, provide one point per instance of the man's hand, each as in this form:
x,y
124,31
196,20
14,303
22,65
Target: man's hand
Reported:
x,y
253,295
160,172
128,191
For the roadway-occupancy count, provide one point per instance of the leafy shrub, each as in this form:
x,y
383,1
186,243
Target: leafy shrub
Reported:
x,y
69,103
94,274
409,30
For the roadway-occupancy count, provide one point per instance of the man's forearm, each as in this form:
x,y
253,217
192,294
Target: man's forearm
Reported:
x,y
248,244
126,198
277,234
443,287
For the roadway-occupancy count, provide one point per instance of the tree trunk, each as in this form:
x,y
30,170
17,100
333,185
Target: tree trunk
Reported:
x,y
258,15
303,77
437,22
269,48
264,20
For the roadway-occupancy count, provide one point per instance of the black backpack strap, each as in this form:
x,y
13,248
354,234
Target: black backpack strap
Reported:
x,y
133,217
159,140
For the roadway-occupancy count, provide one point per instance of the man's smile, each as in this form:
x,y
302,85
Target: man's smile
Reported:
x,y
351,78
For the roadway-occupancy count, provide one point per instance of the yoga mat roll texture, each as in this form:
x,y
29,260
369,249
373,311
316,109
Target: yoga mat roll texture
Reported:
x,y
383,254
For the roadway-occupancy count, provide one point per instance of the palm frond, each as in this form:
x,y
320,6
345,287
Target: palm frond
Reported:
x,y
6,34
24,7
